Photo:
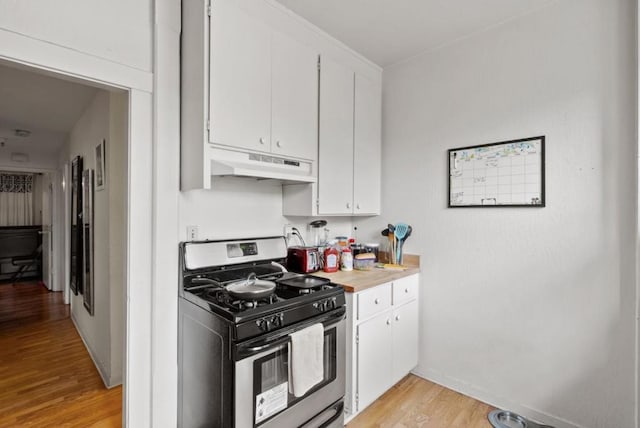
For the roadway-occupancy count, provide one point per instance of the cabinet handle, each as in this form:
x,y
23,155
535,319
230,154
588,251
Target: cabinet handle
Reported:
x,y
262,140
397,317
357,206
388,321
349,205
376,301
279,144
406,290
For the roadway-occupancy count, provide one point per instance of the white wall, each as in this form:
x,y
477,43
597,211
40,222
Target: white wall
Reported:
x,y
528,309
116,188
60,56
117,30
237,207
102,332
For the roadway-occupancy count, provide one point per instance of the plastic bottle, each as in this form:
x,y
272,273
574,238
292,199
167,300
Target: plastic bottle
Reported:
x,y
331,259
346,261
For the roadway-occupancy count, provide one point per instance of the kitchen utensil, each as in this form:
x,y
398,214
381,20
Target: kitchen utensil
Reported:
x,y
385,232
392,246
304,281
251,288
401,230
401,242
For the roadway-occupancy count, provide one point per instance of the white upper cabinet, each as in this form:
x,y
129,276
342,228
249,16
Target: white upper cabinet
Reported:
x,y
335,166
250,95
294,98
367,147
349,148
240,79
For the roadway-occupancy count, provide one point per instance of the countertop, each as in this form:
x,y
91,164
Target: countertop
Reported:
x,y
358,280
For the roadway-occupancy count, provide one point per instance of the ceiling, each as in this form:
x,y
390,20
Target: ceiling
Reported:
x,y
48,107
388,31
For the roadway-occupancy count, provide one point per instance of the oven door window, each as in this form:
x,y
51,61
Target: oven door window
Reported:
x,y
271,379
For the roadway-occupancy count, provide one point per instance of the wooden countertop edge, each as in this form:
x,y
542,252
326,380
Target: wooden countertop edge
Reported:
x,y
356,281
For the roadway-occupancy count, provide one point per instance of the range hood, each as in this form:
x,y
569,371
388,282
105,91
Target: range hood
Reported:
x,y
227,162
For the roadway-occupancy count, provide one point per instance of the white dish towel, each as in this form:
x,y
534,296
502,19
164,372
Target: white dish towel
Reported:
x,y
306,355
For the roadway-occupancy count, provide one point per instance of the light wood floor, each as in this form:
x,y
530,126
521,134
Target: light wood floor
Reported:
x,y
47,378
415,402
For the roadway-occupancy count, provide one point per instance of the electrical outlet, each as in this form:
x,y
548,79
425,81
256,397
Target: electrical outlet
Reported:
x,y
288,230
192,233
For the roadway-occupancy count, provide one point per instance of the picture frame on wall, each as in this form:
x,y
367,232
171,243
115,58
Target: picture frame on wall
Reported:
x,y
75,259
87,240
100,178
503,174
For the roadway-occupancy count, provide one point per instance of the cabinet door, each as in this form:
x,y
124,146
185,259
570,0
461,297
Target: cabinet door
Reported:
x,y
294,99
335,163
367,146
374,358
405,340
240,78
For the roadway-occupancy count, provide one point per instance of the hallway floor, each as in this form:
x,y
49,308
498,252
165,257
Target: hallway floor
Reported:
x,y
47,378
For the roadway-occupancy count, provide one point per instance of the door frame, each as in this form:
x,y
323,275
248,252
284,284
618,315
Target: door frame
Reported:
x,y
20,50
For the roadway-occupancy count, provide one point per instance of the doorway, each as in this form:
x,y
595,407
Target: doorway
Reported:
x,y
39,140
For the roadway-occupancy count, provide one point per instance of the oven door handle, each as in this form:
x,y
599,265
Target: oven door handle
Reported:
x,y
256,349
248,349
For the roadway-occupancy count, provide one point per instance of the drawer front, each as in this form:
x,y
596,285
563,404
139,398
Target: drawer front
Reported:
x,y
405,289
374,300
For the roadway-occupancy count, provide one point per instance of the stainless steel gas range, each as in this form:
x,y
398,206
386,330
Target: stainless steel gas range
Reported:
x,y
238,308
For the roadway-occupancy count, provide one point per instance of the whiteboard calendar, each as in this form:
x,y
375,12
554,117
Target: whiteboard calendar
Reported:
x,y
508,173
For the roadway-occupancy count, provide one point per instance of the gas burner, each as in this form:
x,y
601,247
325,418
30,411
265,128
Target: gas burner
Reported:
x,y
220,297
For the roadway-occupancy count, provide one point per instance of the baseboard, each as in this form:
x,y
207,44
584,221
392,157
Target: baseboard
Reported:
x,y
102,371
494,400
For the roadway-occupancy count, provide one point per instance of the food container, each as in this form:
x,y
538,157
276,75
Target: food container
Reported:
x,y
364,261
346,260
343,241
331,259
358,249
372,248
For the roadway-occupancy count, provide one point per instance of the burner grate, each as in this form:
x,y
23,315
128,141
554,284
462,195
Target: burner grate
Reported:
x,y
220,296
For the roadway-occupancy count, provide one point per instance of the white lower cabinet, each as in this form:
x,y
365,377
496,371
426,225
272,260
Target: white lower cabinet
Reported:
x,y
405,340
382,346
374,358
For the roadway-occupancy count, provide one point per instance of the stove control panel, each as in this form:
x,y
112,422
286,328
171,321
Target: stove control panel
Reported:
x,y
271,322
326,305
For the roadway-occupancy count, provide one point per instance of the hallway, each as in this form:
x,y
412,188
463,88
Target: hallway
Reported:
x,y
47,377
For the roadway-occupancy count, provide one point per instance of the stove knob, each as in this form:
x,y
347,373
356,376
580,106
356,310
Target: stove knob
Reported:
x,y
264,324
277,320
332,303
